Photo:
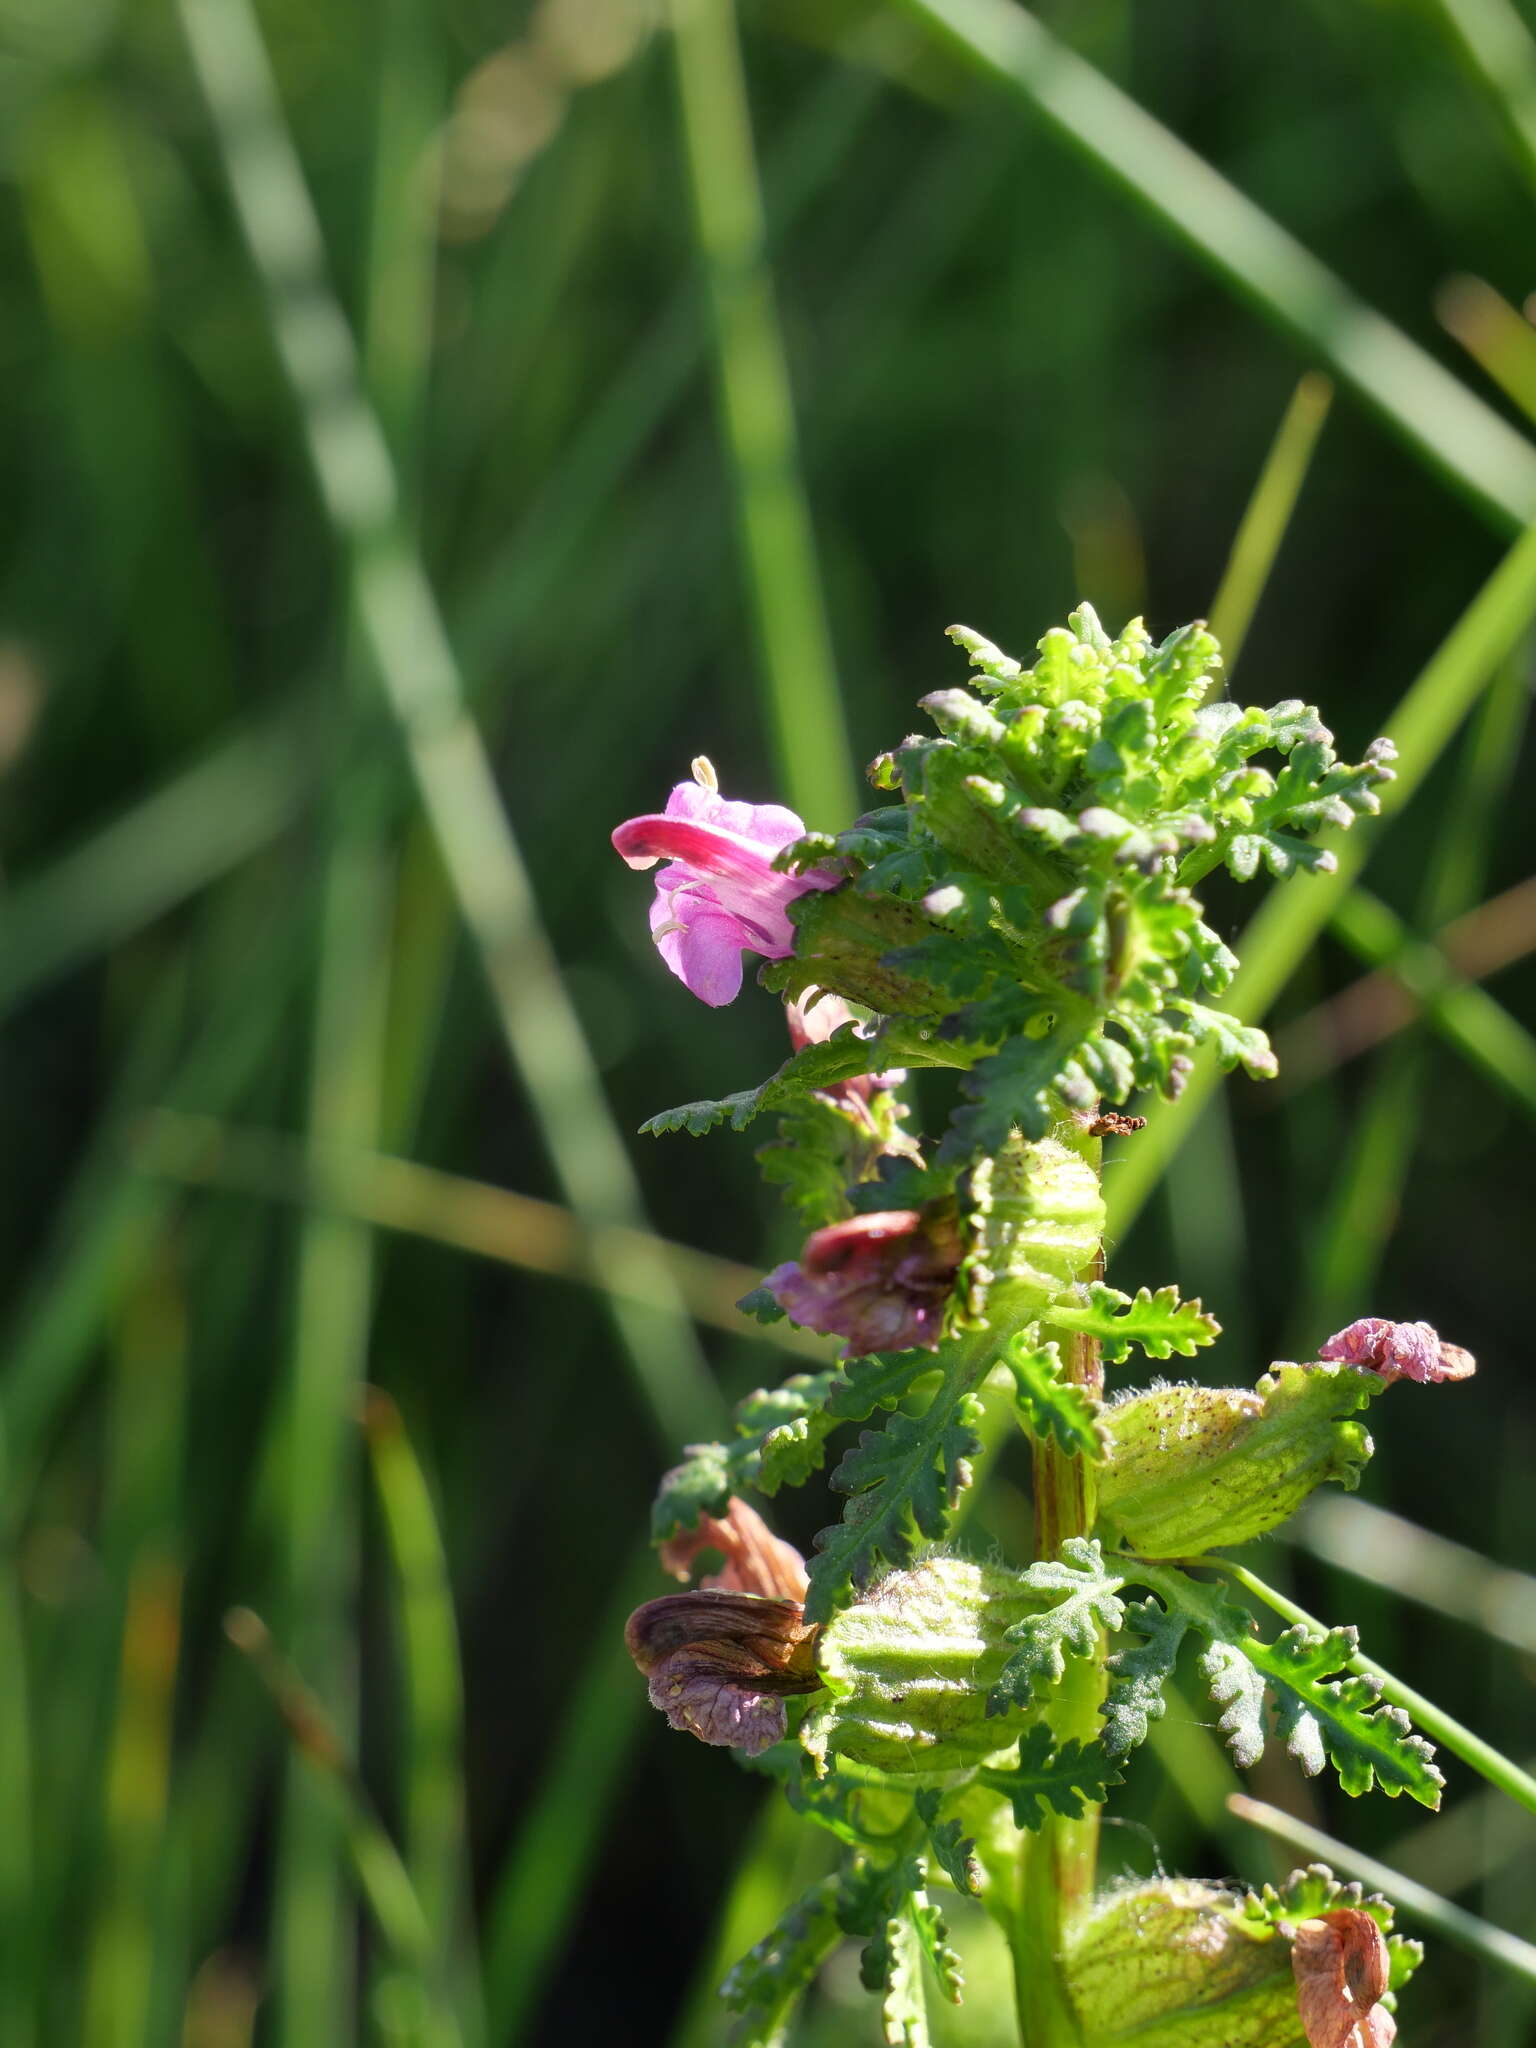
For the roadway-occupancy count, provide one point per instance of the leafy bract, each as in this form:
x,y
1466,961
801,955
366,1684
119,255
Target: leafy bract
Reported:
x,y
1159,1323
903,1482
1049,1405
1139,1673
1325,1712
1063,1776
1087,1600
781,1435
768,1983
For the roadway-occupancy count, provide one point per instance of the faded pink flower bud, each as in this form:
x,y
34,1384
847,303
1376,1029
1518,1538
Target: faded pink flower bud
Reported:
x,y
812,1018
1410,1351
1341,1966
881,1281
756,1561
720,1665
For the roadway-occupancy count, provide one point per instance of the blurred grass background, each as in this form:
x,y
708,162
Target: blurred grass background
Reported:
x,y
417,452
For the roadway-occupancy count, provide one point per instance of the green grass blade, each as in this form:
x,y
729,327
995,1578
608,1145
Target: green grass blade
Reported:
x,y
436,1856
805,715
315,1937
450,1209
1499,52
1268,515
1460,436
1291,918
404,635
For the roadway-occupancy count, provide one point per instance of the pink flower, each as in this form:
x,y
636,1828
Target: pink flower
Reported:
x,y
880,1281
720,895
1410,1351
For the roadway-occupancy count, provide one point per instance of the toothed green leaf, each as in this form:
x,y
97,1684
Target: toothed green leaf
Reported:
x,y
1086,1601
768,1983
1324,1711
1159,1323
1138,1675
1065,1777
1049,1406
953,1850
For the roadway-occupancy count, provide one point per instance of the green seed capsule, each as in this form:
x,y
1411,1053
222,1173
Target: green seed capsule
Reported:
x,y
1038,1214
1172,1965
908,1669
1194,1468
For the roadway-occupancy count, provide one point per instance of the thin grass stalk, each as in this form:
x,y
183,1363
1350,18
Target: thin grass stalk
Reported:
x,y
21,1964
1363,1201
1370,1543
799,670
121,1964
1491,1944
1499,53
410,653
1290,921
1267,518
1472,1022
450,1209
315,1937
1454,431
382,1878
435,1853
528,1914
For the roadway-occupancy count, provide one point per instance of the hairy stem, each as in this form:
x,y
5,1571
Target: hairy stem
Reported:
x,y
1058,1863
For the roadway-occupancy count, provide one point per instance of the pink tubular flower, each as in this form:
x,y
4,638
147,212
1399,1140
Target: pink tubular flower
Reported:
x,y
1342,1967
880,1281
719,895
1409,1351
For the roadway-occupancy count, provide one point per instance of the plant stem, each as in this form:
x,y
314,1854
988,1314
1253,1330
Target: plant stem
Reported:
x,y
1058,1863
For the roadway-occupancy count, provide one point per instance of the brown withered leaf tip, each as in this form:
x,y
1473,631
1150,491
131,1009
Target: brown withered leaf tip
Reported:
x,y
755,1560
1341,1966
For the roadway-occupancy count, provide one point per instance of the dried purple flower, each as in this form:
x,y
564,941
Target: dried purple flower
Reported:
x,y
1342,1968
756,1561
720,895
1410,1351
881,1281
720,1665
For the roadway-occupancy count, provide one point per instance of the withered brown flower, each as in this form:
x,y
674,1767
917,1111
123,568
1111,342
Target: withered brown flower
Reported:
x,y
722,1659
1341,1967
756,1561
882,1281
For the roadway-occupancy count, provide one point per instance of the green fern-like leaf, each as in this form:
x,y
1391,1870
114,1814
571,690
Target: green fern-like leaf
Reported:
x,y
842,1057
768,1983
953,1850
1138,1675
1064,1777
904,1482
1326,1713
1159,1323
1049,1406
1088,1600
